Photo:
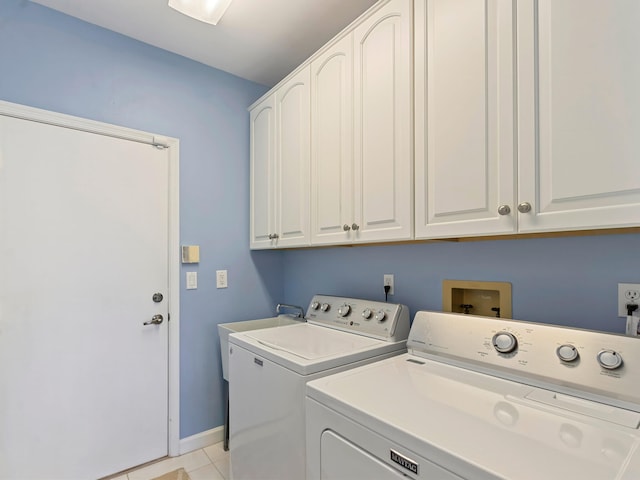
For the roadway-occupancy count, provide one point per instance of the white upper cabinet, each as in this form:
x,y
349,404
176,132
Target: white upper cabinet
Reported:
x,y
262,164
361,164
464,118
361,132
280,157
293,149
383,161
569,159
332,194
578,113
526,116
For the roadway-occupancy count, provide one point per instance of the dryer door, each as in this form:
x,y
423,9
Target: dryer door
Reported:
x,y
340,459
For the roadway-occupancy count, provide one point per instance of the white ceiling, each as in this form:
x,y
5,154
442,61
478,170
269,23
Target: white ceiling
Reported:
x,y
260,40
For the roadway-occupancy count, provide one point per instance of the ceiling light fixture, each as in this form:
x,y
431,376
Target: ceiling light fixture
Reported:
x,y
208,11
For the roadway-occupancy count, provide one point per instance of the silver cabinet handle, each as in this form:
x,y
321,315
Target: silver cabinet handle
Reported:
x,y
355,226
155,320
524,207
273,236
346,227
504,209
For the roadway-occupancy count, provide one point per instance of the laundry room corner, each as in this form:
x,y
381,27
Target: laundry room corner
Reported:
x,y
65,65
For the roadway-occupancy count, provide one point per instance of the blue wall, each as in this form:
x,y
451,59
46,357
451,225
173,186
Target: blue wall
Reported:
x,y
55,62
570,281
58,63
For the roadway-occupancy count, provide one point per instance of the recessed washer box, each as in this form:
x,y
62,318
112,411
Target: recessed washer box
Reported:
x,y
489,299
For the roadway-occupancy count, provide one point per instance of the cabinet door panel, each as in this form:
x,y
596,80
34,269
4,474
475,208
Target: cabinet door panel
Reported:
x,y
464,117
383,162
262,153
579,147
292,186
332,143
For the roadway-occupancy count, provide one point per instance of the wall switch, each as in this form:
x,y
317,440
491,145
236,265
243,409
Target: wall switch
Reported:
x,y
627,293
221,279
388,280
192,280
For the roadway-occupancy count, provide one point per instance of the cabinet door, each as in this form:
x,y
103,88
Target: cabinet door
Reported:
x,y
464,98
332,144
292,160
383,120
262,159
579,113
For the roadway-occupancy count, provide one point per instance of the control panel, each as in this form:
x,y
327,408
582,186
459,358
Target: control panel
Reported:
x,y
386,321
596,365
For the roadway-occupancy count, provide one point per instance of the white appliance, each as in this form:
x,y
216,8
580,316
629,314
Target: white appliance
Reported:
x,y
268,370
482,398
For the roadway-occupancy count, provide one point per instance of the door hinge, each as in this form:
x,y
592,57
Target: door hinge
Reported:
x,y
160,142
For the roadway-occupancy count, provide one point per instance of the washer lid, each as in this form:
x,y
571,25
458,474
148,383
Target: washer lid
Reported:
x,y
311,343
308,349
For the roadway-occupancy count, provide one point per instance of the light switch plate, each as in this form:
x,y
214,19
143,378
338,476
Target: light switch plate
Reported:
x,y
221,279
192,280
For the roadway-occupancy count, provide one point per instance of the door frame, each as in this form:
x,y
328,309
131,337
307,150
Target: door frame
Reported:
x,y
173,295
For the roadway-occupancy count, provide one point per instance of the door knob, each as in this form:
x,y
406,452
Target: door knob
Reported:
x,y
346,227
355,226
155,320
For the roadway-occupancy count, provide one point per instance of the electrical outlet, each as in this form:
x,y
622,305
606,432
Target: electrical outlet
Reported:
x,y
388,280
627,293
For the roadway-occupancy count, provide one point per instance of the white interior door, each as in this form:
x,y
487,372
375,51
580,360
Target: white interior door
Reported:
x,y
83,248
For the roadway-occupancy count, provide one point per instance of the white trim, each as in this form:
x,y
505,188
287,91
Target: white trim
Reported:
x,y
67,121
76,123
174,297
202,440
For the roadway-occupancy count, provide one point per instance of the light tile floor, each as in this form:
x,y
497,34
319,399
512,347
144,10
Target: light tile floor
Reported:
x,y
210,463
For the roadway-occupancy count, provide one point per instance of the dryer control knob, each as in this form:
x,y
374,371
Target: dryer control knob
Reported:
x,y
505,342
325,307
315,305
609,359
344,310
567,353
366,313
381,316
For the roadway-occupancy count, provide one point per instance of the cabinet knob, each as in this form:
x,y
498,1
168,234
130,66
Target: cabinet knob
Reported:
x,y
355,226
504,209
273,236
524,207
346,227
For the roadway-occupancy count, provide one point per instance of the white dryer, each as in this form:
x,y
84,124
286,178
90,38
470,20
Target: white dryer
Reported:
x,y
482,398
268,370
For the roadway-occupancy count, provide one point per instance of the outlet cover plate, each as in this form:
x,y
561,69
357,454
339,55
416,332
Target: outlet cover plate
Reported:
x,y
627,293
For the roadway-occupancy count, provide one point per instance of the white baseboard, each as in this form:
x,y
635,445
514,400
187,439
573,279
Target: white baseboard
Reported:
x,y
201,440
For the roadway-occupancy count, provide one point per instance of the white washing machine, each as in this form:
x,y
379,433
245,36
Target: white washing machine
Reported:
x,y
268,370
482,398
